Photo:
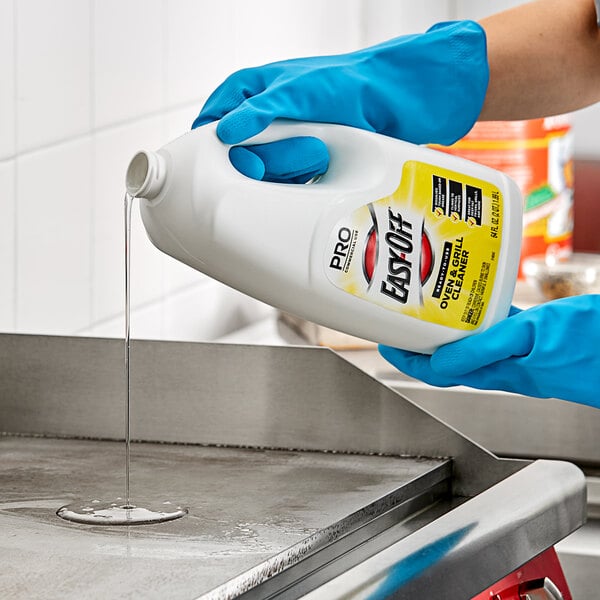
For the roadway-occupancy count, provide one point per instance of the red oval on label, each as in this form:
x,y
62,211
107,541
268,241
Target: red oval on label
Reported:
x,y
370,254
426,258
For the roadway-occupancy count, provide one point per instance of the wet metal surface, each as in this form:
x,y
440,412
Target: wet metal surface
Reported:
x,y
246,506
266,518
256,396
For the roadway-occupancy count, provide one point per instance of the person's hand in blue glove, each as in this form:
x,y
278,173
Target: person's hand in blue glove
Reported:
x,y
551,350
420,88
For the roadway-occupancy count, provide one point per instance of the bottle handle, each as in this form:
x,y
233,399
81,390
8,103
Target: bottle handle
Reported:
x,y
353,152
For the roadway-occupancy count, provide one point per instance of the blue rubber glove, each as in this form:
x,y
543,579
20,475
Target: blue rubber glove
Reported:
x,y
420,88
293,160
549,351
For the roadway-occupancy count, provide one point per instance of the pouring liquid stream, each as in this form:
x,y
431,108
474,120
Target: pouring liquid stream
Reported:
x,y
128,203
123,511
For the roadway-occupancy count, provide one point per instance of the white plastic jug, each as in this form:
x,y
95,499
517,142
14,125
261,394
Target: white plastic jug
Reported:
x,y
396,243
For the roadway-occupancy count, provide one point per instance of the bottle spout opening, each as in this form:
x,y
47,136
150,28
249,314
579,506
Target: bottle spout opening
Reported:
x,y
145,175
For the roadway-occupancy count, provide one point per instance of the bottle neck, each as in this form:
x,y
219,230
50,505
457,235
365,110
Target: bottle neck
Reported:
x,y
146,175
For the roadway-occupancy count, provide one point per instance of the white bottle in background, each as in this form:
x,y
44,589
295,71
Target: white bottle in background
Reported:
x,y
396,243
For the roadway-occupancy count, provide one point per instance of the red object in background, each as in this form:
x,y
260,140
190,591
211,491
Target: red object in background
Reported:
x,y
587,206
528,578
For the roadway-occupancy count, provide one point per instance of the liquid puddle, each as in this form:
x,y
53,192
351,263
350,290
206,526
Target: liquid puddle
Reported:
x,y
123,511
113,513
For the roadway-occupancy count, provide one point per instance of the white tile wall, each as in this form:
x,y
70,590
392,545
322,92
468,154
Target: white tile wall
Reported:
x,y
200,49
185,315
128,59
586,127
86,83
272,30
52,71
7,242
53,228
336,26
178,121
387,19
7,88
473,9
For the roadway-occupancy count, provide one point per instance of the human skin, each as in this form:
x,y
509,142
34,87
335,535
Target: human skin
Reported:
x,y
544,59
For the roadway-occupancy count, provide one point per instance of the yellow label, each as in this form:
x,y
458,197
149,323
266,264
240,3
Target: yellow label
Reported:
x,y
430,250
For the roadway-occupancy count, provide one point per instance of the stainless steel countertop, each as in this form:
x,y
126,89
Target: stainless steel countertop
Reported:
x,y
247,507
191,397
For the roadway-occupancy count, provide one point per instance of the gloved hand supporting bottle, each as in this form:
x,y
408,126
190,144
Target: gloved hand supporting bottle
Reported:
x,y
551,350
420,88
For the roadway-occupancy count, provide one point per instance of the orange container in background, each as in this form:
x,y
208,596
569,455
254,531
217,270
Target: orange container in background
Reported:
x,y
538,155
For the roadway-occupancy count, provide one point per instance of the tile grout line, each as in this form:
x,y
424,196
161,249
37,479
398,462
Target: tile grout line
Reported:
x,y
93,191
165,133
15,170
100,130
453,9
178,293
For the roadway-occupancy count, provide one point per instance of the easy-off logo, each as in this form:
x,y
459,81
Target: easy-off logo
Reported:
x,y
400,243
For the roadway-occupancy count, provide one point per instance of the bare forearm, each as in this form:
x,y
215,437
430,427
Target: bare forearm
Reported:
x,y
544,59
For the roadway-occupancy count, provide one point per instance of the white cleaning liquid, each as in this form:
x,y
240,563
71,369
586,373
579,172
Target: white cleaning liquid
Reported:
x,y
396,243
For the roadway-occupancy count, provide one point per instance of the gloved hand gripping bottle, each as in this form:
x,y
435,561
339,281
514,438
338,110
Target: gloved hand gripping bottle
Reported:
x,y
395,243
